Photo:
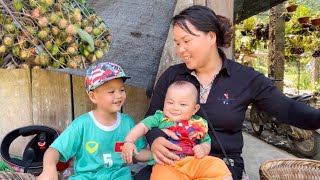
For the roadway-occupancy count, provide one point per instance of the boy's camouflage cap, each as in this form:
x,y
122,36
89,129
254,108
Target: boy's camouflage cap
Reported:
x,y
100,73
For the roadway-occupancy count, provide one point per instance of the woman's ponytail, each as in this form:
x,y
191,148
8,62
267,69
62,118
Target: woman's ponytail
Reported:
x,y
226,30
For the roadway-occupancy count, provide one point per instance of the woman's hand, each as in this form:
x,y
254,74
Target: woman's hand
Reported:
x,y
170,134
161,153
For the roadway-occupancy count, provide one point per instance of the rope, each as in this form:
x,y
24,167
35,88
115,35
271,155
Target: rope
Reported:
x,y
5,167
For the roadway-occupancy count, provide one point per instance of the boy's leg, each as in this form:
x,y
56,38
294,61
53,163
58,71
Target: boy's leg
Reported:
x,y
144,173
208,167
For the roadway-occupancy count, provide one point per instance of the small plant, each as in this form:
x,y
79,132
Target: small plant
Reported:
x,y
303,11
316,14
249,23
291,6
296,44
292,2
294,40
315,20
315,44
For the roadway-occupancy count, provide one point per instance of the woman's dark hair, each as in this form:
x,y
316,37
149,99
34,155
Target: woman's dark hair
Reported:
x,y
206,20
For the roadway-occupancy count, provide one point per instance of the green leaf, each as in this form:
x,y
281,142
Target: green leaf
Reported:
x,y
81,48
86,37
82,1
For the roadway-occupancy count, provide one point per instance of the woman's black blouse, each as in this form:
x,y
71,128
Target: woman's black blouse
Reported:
x,y
234,88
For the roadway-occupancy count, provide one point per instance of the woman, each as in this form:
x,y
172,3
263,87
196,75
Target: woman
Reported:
x,y
226,88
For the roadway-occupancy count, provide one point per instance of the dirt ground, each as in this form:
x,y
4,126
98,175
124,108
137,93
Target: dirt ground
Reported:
x,y
280,142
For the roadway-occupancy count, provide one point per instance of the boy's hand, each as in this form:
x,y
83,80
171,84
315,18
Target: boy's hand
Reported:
x,y
49,174
128,149
201,150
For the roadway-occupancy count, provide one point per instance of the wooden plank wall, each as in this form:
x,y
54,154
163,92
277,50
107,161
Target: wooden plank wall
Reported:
x,y
15,99
15,104
136,104
81,100
54,99
51,98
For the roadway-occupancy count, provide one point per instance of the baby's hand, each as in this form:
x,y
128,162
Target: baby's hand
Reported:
x,y
200,151
128,149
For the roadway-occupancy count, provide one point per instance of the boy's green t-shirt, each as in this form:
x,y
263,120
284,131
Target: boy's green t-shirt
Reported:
x,y
96,147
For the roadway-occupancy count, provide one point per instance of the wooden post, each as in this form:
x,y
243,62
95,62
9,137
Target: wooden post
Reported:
x,y
51,97
276,44
169,56
224,8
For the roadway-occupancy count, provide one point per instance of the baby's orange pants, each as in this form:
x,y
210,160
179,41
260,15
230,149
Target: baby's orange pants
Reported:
x,y
190,167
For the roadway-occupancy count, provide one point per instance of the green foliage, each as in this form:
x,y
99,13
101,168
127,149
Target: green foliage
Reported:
x,y
314,41
250,43
295,40
316,87
238,38
249,23
86,37
82,1
292,2
297,35
302,11
291,74
261,65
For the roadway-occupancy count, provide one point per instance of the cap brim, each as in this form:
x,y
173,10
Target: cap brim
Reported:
x,y
125,78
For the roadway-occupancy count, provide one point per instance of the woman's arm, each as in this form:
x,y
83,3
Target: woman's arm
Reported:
x,y
270,99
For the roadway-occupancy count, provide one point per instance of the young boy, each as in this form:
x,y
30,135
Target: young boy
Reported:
x,y
96,138
180,106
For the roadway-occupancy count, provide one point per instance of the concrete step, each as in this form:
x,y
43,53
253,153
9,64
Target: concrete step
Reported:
x,y
255,152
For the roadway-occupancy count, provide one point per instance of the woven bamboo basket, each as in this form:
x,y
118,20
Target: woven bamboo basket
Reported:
x,y
290,169
15,176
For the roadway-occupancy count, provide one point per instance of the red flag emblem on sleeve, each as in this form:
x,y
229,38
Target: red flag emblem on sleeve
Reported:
x,y
118,147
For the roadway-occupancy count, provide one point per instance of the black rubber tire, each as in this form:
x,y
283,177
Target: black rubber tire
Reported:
x,y
254,118
317,149
310,148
